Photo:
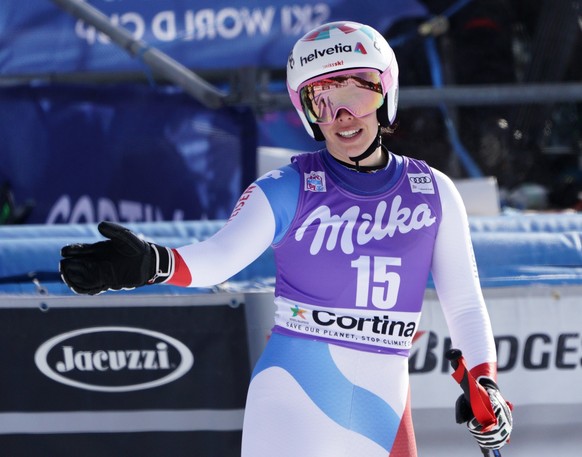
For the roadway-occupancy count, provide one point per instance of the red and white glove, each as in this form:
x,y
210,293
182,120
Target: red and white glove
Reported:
x,y
495,434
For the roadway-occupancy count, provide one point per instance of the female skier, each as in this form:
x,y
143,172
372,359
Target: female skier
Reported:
x,y
356,229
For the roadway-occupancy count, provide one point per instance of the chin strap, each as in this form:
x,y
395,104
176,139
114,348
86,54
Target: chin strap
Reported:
x,y
368,152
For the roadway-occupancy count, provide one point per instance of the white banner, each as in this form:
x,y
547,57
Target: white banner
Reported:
x,y
538,332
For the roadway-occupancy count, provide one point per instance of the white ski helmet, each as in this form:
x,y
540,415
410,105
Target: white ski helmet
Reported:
x,y
338,46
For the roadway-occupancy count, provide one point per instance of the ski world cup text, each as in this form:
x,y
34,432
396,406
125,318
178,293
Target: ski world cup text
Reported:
x,y
212,24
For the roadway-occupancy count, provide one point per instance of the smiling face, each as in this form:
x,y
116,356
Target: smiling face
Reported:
x,y
348,136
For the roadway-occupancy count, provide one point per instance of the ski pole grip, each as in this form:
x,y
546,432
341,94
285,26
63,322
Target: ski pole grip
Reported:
x,y
454,356
465,380
474,393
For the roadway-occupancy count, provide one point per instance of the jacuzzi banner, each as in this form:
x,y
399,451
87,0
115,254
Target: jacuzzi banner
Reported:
x,y
37,36
123,380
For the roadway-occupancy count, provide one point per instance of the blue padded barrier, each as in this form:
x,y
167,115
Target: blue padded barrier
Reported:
x,y
510,250
33,251
528,222
518,248
37,247
73,232
528,248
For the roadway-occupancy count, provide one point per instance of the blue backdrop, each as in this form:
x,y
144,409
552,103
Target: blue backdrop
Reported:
x,y
126,153
36,36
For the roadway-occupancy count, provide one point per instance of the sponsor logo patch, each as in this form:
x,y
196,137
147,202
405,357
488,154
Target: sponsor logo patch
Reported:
x,y
315,181
421,183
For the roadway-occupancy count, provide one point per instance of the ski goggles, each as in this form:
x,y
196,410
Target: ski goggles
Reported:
x,y
358,91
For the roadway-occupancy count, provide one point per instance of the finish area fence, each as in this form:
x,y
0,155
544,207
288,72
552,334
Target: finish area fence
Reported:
x,y
163,371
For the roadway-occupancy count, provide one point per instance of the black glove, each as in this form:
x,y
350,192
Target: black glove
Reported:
x,y
498,435
122,262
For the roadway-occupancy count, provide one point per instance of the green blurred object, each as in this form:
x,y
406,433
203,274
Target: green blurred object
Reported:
x,y
10,214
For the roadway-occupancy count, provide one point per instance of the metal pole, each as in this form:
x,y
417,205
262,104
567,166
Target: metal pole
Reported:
x,y
473,95
503,94
158,61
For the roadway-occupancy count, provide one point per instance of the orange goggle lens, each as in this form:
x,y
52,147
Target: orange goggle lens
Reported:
x,y
358,92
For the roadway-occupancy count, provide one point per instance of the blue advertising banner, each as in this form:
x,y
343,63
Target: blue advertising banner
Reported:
x,y
37,37
129,153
